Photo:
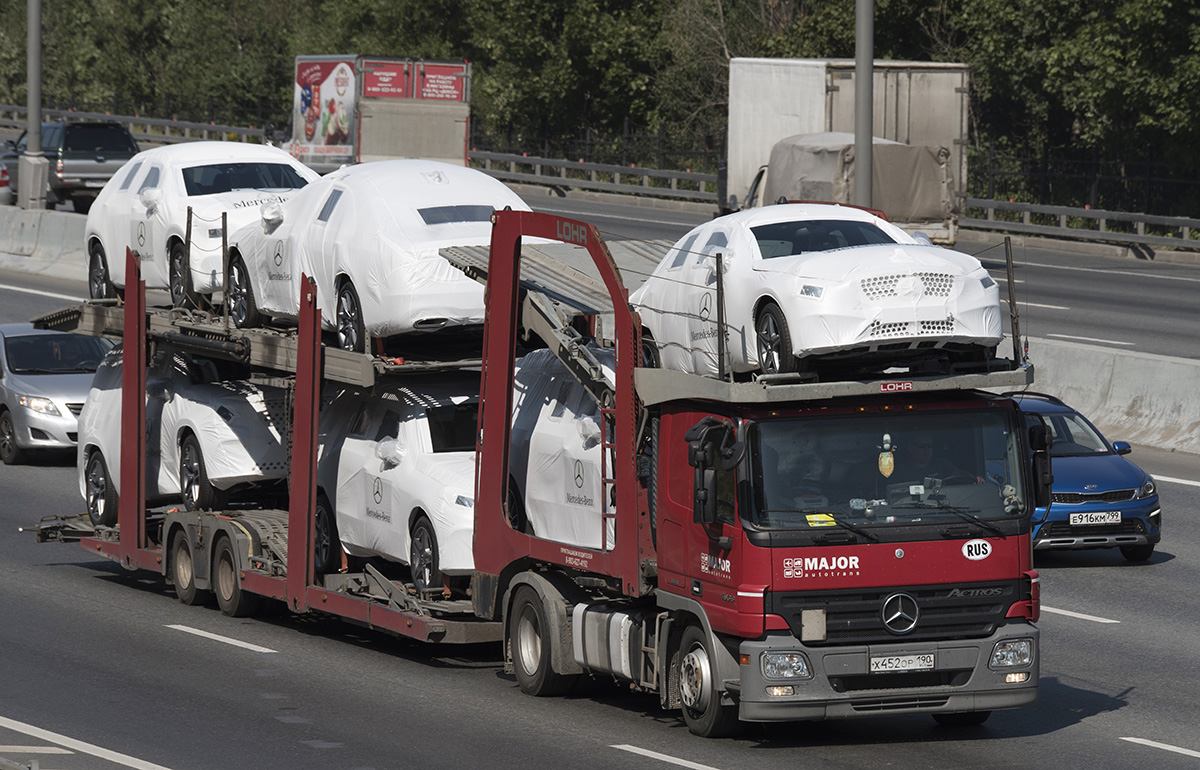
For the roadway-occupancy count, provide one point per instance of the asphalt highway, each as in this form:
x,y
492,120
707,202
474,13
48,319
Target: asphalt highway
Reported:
x,y
101,668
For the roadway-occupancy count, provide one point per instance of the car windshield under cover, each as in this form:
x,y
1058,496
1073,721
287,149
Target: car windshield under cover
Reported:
x,y
54,353
785,239
890,470
223,177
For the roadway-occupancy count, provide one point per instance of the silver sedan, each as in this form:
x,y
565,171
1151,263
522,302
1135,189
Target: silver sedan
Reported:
x,y
44,379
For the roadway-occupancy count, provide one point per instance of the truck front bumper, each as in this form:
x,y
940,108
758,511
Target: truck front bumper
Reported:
x,y
842,685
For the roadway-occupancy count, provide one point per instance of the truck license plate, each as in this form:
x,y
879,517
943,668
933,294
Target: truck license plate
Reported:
x,y
1096,517
890,664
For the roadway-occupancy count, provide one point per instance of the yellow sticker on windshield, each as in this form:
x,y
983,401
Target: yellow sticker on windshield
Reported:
x,y
819,520
887,464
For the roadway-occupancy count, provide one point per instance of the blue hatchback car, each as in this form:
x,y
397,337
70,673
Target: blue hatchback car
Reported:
x,y
1100,499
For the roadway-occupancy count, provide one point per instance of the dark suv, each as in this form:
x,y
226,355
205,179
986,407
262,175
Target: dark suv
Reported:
x,y
83,157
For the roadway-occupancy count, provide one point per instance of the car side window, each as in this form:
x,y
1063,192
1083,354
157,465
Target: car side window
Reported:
x,y
330,204
151,180
389,426
684,251
130,175
716,242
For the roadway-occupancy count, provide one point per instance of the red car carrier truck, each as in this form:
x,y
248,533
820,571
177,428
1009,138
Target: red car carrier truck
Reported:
x,y
769,550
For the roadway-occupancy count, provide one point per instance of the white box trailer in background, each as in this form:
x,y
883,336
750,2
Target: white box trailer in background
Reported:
x,y
916,103
355,109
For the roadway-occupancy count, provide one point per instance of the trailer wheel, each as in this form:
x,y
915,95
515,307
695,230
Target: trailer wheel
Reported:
x,y
703,711
198,493
962,719
423,556
528,635
243,309
232,600
775,354
183,570
101,492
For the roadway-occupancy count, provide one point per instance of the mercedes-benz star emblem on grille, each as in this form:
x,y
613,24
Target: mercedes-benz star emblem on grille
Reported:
x,y
900,613
578,474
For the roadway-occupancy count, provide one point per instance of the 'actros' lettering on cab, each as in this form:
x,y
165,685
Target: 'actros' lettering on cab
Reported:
x,y
572,233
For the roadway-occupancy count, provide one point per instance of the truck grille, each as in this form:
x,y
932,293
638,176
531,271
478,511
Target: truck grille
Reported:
x,y
1076,498
856,616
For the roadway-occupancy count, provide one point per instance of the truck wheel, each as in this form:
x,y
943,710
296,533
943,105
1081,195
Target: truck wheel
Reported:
x,y
183,571
232,600
101,492
350,332
962,719
423,556
1137,552
703,711
182,294
528,635
198,493
775,353
327,549
10,453
240,296
99,284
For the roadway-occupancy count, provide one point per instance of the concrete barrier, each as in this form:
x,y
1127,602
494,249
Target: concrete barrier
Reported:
x,y
1137,397
45,242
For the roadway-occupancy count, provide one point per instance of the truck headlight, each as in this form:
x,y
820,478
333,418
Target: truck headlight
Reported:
x,y
39,404
1012,652
785,665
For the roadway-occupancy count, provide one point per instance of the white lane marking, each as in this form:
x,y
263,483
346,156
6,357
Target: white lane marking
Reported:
x,y
217,638
40,293
1004,274
1090,339
1177,481
34,750
1022,303
662,757
1133,273
1164,747
1079,615
79,746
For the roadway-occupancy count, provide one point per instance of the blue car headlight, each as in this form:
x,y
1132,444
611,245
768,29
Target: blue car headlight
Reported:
x,y
1147,489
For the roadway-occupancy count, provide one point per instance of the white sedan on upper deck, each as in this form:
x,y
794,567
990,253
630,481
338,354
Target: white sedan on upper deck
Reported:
x,y
810,285
369,236
145,207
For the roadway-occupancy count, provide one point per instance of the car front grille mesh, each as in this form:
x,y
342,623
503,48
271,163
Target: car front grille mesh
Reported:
x,y
75,408
885,286
1078,498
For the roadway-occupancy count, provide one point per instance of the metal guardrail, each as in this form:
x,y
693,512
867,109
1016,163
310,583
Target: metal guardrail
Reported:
x,y
163,130
630,180
1084,224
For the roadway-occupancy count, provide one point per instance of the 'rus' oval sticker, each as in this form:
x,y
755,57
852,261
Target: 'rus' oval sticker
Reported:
x,y
977,549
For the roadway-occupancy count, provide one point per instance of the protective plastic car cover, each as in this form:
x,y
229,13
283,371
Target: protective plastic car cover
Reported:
x,y
239,426
909,183
378,226
835,300
555,453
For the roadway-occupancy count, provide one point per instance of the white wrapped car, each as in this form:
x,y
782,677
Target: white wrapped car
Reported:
x,y
369,236
808,285
145,207
555,452
406,475
208,435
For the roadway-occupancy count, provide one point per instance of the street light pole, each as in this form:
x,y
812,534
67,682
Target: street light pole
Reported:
x,y
32,168
864,106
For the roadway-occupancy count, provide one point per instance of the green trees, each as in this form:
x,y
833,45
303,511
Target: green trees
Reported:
x,y
1110,79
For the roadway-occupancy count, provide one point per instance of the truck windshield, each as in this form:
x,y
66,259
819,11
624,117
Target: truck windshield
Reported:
x,y
886,470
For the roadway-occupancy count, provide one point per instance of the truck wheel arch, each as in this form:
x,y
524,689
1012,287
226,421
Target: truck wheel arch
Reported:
x,y
687,611
558,594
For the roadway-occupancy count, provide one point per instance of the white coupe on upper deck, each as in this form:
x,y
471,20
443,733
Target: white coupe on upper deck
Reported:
x,y
369,236
145,207
808,285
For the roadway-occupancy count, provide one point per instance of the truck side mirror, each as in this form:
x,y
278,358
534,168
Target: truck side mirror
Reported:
x,y
1040,442
710,443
